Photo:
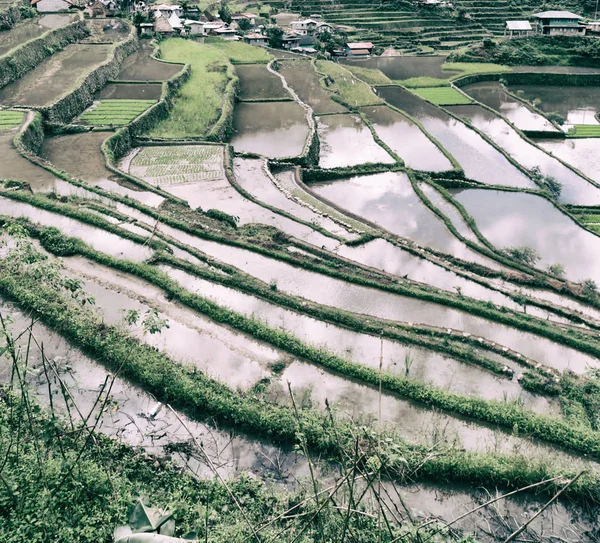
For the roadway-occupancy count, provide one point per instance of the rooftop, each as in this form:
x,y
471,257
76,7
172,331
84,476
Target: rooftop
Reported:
x,y
557,15
360,45
518,25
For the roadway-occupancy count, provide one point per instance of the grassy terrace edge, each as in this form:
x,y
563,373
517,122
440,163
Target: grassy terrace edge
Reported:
x,y
201,397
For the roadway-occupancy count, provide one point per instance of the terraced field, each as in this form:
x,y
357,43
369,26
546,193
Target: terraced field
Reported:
x,y
381,301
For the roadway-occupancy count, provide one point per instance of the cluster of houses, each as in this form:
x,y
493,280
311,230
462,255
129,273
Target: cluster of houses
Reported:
x,y
552,23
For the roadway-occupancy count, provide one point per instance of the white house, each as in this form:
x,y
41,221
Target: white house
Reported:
x,y
323,28
194,27
49,6
304,27
175,22
517,29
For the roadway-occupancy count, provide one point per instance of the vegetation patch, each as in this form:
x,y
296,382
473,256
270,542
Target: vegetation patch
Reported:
x,y
10,119
351,91
239,52
115,112
442,96
584,131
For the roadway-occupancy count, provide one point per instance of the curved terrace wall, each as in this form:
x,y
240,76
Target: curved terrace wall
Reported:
x,y
17,62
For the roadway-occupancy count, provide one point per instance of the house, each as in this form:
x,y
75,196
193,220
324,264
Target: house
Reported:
x,y
194,28
49,6
290,39
517,29
304,27
168,8
256,39
592,27
323,28
146,28
247,16
359,49
225,32
559,23
163,27
95,9
212,26
175,22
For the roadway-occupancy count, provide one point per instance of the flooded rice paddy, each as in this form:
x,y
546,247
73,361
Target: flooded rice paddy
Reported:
x,y
397,68
128,91
479,160
493,94
271,129
517,219
406,139
347,141
45,84
581,153
258,83
140,66
303,79
31,29
577,105
575,189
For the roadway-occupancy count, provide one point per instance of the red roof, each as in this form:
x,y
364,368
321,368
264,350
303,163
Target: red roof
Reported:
x,y
360,52
255,37
360,45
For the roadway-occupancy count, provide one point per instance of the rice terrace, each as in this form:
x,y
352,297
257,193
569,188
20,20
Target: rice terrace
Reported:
x,y
300,271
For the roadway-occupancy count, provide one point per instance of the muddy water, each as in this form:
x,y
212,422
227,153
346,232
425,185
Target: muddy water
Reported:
x,y
479,159
301,77
125,91
54,77
139,66
493,94
347,141
406,139
417,363
30,29
263,188
66,153
14,166
107,30
190,339
131,418
578,105
389,200
336,293
511,219
272,129
97,238
575,189
406,67
258,83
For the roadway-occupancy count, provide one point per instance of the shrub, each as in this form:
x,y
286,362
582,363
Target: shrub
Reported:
x,y
524,254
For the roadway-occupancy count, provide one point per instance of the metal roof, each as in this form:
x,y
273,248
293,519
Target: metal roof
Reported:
x,y
557,15
518,25
360,45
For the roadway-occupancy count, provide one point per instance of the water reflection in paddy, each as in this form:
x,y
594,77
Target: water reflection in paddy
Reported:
x,y
30,29
480,160
575,189
336,293
577,105
406,139
272,129
397,68
581,153
347,141
416,362
258,83
494,95
516,219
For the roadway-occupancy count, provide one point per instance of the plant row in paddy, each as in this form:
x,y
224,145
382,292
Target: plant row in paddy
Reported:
x,y
442,96
10,119
584,131
115,112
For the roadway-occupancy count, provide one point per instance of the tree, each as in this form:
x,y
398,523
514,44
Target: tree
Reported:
x,y
275,36
244,25
524,254
225,12
558,270
590,288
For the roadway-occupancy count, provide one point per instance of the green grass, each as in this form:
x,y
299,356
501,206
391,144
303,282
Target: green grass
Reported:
x,y
465,68
369,75
442,96
584,131
115,112
10,119
239,52
353,92
589,218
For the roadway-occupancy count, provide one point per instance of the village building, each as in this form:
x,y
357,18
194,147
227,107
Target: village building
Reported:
x,y
256,39
95,9
175,22
304,27
210,27
251,17
194,28
50,6
359,49
225,32
290,40
517,29
593,27
559,23
146,28
168,9
163,27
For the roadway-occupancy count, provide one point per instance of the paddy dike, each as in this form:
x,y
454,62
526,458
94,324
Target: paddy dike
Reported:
x,y
30,29
45,84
